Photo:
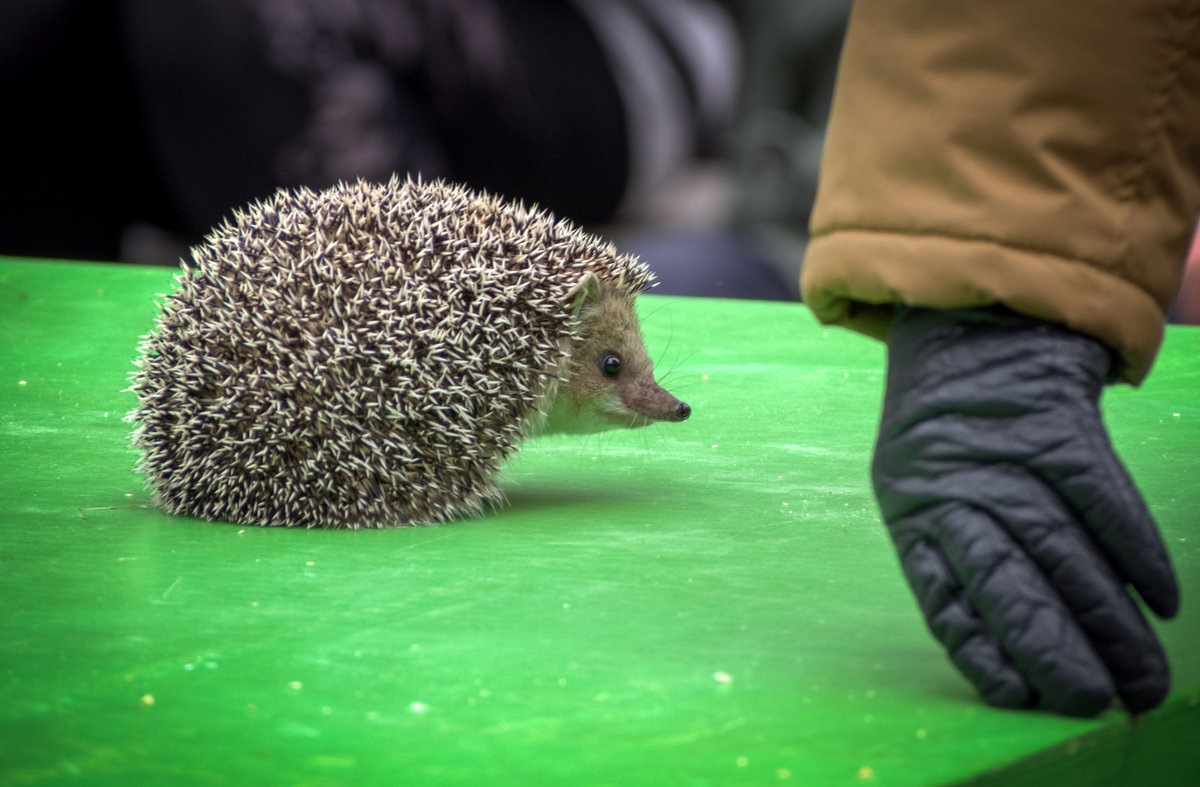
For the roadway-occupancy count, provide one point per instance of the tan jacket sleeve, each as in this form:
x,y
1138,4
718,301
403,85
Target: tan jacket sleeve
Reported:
x,y
1043,155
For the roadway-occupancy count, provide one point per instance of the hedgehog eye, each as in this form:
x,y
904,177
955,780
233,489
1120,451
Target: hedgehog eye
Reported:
x,y
611,364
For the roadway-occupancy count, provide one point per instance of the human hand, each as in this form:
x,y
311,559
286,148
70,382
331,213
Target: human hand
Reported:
x,y
1016,524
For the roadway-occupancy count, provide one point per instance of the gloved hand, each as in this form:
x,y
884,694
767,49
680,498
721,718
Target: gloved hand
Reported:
x,y
1016,524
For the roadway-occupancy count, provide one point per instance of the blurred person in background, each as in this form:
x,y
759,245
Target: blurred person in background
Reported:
x,y
138,120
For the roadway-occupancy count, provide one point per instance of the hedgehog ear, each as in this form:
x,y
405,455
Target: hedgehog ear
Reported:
x,y
586,290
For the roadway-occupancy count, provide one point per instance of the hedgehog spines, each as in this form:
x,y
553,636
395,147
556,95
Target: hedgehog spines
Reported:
x,y
363,356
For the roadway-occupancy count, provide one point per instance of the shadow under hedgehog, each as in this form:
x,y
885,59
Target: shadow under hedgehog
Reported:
x,y
369,355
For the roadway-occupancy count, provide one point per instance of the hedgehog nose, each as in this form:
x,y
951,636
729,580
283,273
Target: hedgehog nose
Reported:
x,y
682,411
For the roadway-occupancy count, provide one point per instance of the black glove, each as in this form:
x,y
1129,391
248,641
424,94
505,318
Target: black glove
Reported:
x,y
1016,524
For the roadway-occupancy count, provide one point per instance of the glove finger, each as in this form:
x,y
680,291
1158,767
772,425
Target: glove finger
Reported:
x,y
1094,593
1025,615
1097,486
956,626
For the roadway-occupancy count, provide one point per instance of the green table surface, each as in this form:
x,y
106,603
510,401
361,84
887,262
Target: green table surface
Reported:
x,y
706,603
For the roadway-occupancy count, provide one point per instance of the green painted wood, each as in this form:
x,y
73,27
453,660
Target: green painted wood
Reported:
x,y
713,602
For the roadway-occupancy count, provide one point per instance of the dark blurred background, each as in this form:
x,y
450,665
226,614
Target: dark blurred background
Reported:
x,y
688,131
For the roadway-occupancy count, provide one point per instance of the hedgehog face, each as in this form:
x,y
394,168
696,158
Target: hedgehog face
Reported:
x,y
610,383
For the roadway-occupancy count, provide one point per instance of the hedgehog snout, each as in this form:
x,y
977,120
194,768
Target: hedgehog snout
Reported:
x,y
655,403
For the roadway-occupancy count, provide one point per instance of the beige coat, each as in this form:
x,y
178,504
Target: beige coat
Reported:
x,y
1043,154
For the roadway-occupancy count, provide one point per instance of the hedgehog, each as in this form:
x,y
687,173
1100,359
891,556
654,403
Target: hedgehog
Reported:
x,y
371,354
